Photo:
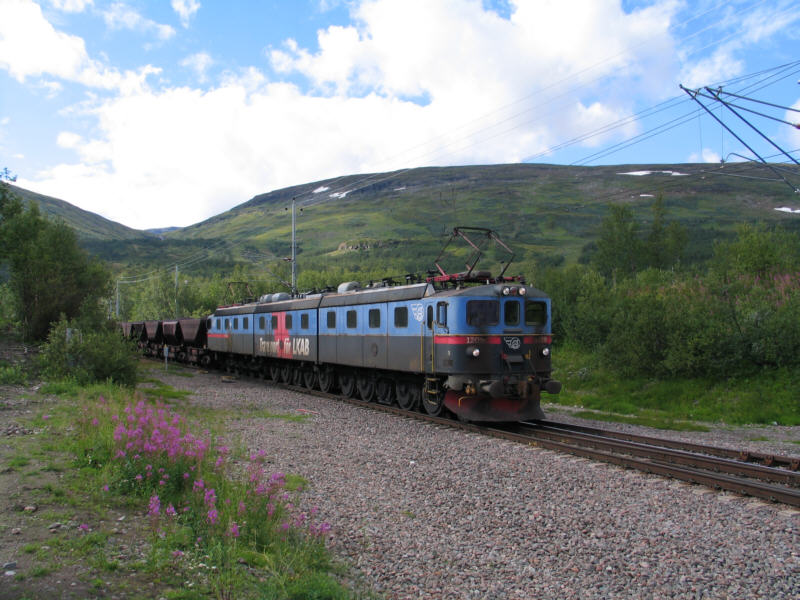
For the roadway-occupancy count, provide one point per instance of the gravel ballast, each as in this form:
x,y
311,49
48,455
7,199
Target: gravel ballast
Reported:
x,y
423,511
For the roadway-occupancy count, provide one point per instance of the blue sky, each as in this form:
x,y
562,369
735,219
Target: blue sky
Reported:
x,y
165,113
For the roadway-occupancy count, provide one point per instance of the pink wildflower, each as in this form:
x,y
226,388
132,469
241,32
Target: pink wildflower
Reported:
x,y
234,530
154,507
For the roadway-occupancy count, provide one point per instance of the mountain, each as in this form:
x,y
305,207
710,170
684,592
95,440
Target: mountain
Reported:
x,y
88,225
549,214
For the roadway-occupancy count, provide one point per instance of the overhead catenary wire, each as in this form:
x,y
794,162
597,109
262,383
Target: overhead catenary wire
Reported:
x,y
361,183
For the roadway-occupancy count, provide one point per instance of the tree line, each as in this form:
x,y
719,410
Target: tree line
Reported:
x,y
635,301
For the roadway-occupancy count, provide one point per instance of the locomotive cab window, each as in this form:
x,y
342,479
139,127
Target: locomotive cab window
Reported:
x,y
352,319
261,322
274,322
441,314
430,316
288,321
245,323
304,321
219,323
511,312
236,323
535,313
401,316
483,312
331,319
374,318
227,323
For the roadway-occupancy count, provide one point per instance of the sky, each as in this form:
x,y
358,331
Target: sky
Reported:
x,y
165,113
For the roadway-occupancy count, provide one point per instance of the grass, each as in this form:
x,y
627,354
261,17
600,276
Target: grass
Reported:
x,y
683,404
273,550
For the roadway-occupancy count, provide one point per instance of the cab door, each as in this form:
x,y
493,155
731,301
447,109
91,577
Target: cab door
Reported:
x,y
435,328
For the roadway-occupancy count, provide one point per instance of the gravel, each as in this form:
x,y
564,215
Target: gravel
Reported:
x,y
422,511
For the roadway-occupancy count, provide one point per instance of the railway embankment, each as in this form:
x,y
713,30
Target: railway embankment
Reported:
x,y
425,511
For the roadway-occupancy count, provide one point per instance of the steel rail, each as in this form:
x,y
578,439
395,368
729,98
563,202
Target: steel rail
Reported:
x,y
770,460
653,451
715,480
537,437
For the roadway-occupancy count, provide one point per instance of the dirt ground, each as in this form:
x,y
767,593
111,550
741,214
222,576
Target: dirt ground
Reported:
x,y
53,544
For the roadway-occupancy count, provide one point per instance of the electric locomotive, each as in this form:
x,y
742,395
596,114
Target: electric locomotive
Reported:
x,y
473,344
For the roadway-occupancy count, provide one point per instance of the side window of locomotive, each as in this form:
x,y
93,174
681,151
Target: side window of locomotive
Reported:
x,y
274,322
483,312
374,318
304,321
441,314
245,323
401,316
261,322
219,323
227,324
511,312
288,321
352,319
430,316
331,319
236,323
535,313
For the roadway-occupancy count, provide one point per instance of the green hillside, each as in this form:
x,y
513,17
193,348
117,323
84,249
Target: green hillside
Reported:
x,y
549,215
89,226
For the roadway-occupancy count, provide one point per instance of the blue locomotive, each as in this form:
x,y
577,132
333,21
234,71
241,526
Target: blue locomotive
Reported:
x,y
469,343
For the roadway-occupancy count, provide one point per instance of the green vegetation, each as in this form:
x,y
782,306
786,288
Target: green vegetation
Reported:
x,y
87,353
50,274
676,280
215,517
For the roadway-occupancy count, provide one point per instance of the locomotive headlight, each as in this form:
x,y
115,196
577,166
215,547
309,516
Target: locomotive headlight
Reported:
x,y
473,351
545,352
506,291
522,291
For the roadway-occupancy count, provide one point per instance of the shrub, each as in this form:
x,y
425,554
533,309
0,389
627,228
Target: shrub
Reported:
x,y
12,375
88,356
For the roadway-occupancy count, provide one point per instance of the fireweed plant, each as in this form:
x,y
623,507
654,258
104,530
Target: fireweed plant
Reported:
x,y
198,507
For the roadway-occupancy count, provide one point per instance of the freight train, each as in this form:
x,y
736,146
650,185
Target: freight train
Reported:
x,y
469,343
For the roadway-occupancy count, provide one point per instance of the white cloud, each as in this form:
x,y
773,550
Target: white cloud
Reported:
x,y
738,30
706,156
30,47
71,6
121,16
199,63
185,9
409,83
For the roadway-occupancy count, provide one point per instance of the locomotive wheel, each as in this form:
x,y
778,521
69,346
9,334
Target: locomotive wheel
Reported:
x,y
384,390
309,378
433,403
327,378
274,372
297,376
286,374
407,394
366,387
347,383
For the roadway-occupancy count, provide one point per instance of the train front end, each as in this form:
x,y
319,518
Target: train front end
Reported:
x,y
497,349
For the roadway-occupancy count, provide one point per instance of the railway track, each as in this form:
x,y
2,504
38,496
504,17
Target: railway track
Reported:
x,y
770,477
